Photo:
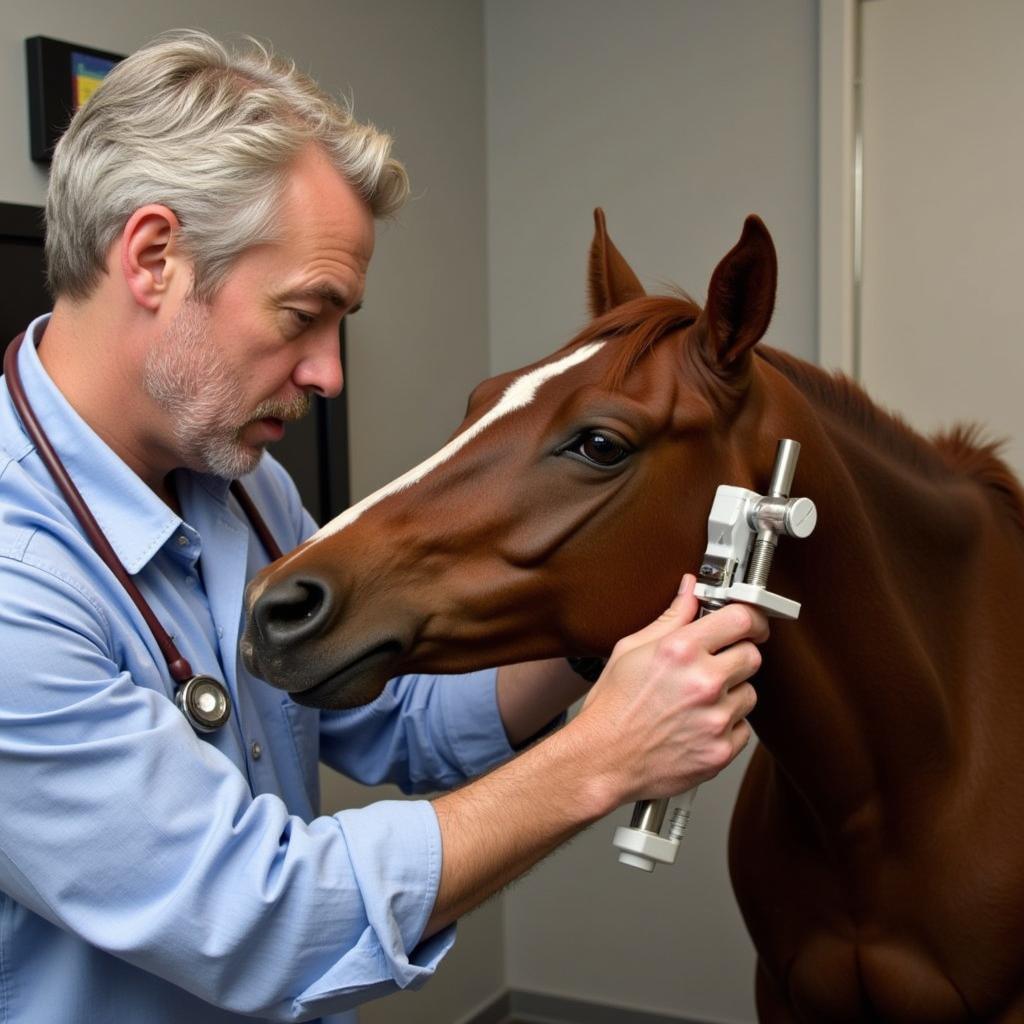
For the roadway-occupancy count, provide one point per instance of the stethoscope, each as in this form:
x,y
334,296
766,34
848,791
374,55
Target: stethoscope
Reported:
x,y
203,700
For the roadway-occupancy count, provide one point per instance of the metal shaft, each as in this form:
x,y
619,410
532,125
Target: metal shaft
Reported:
x,y
786,455
783,470
649,815
761,560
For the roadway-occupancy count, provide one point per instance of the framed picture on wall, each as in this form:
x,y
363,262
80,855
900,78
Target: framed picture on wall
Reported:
x,y
61,78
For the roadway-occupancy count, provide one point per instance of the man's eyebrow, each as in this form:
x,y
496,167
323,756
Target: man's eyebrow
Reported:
x,y
320,291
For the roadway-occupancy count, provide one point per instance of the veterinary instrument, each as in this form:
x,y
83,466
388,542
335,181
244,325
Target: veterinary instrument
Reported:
x,y
743,530
202,699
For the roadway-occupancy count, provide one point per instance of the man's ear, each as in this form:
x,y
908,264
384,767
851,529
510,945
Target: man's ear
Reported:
x,y
741,297
611,280
151,254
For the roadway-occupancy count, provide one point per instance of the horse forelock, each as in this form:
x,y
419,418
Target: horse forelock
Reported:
x,y
961,451
635,328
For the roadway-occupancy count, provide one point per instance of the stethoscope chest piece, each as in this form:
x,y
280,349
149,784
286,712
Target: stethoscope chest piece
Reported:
x,y
205,702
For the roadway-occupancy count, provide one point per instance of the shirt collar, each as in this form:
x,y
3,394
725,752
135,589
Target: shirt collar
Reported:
x,y
136,522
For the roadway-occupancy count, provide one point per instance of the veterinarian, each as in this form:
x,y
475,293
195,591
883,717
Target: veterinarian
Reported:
x,y
210,221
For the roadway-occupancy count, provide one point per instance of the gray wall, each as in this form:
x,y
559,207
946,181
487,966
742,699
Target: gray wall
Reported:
x,y
679,118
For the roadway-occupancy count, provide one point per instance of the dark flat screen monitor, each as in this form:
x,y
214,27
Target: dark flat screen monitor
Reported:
x,y
314,450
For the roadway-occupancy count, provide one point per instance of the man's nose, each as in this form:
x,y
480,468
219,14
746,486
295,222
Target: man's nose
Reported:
x,y
320,368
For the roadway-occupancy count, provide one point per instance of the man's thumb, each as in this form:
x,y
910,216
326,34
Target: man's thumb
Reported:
x,y
682,610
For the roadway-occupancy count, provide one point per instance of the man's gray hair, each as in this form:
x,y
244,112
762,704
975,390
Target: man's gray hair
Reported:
x,y
209,133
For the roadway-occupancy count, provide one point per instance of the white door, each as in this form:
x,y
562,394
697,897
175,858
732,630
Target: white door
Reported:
x,y
942,299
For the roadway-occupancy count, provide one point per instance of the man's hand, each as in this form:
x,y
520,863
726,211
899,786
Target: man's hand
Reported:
x,y
666,714
669,709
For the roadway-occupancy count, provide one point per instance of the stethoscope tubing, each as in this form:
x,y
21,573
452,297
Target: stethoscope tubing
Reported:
x,y
178,666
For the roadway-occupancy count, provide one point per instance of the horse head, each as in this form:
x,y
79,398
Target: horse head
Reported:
x,y
560,515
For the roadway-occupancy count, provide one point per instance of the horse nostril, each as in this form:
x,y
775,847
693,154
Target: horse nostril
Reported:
x,y
292,610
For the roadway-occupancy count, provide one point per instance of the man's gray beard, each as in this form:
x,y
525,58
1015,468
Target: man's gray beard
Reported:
x,y
184,373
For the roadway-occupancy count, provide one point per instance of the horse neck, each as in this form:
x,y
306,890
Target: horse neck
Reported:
x,y
868,685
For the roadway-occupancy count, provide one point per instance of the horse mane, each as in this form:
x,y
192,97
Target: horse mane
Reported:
x,y
961,449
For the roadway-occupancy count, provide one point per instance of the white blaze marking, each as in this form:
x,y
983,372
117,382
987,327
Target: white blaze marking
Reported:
x,y
519,394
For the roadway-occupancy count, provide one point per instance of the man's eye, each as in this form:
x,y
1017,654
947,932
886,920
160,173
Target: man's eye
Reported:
x,y
597,447
302,318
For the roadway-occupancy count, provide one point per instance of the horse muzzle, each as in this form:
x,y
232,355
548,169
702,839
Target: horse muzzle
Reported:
x,y
291,641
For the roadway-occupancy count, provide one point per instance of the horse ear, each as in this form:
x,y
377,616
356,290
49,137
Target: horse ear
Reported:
x,y
741,296
611,280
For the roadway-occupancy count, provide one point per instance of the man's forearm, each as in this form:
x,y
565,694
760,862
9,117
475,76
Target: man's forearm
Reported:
x,y
498,827
532,694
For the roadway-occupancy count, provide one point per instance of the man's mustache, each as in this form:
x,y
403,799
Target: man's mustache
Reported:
x,y
288,410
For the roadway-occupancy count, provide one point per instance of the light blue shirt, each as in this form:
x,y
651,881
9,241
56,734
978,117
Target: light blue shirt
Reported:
x,y
150,874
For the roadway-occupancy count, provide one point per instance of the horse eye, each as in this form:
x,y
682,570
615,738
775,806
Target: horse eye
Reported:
x,y
597,448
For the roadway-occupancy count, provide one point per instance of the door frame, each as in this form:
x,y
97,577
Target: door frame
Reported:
x,y
840,185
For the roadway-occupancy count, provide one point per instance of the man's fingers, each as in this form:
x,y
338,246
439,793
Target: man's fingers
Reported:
x,y
726,626
739,662
741,700
741,734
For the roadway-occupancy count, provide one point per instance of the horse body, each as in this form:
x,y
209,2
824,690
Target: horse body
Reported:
x,y
876,849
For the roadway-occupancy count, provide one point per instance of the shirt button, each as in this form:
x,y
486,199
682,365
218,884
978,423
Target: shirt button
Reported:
x,y
257,750
190,581
182,541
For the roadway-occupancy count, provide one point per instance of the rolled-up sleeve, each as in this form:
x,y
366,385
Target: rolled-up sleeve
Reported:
x,y
125,829
423,733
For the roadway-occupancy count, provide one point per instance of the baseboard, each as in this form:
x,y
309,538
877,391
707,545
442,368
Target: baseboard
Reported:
x,y
540,1008
495,1011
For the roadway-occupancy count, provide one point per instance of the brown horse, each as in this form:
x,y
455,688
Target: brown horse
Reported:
x,y
885,803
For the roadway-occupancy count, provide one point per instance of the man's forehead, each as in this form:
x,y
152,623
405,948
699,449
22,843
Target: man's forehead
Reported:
x,y
327,262
319,197
327,251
